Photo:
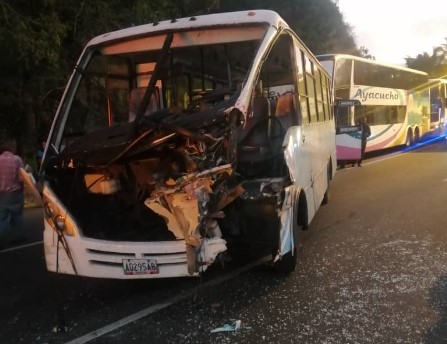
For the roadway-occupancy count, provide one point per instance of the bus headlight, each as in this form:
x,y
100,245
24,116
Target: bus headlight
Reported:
x,y
61,223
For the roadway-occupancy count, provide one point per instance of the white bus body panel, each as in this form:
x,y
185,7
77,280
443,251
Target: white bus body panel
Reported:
x,y
307,149
385,136
348,146
299,160
103,259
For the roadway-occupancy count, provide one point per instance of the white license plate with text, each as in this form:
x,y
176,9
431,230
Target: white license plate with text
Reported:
x,y
140,266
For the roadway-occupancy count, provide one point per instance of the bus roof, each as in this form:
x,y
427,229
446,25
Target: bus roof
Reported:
x,y
375,62
210,20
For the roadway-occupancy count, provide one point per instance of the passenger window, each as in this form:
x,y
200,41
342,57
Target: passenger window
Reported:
x,y
326,97
279,80
319,91
310,87
304,102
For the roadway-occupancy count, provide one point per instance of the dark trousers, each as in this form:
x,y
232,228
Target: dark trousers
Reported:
x,y
11,212
362,152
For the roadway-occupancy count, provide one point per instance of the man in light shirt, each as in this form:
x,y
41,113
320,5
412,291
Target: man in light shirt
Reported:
x,y
11,192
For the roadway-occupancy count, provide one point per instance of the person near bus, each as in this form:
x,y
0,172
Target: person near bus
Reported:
x,y
366,132
11,191
39,154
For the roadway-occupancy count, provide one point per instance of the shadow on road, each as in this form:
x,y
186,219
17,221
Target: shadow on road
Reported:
x,y
438,301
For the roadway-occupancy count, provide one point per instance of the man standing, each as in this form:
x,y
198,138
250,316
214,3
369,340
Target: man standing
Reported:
x,y
366,132
11,190
39,154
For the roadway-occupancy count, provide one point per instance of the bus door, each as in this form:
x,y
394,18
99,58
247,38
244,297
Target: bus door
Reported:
x,y
347,138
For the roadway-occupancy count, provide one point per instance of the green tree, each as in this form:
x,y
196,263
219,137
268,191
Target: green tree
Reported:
x,y
364,52
435,64
33,36
319,23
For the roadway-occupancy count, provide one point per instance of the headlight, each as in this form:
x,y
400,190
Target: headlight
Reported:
x,y
59,221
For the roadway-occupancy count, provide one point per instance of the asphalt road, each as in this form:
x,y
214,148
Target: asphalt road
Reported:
x,y
372,269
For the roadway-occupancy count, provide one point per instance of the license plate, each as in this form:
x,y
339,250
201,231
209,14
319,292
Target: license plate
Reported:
x,y
140,266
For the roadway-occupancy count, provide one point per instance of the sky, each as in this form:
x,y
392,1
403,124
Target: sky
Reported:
x,y
394,29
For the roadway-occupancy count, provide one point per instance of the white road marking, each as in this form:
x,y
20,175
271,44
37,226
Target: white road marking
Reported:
x,y
152,309
21,246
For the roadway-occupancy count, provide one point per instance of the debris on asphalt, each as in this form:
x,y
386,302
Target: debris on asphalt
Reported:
x,y
233,327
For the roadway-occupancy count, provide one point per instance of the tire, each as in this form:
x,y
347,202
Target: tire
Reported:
x,y
409,139
326,196
416,137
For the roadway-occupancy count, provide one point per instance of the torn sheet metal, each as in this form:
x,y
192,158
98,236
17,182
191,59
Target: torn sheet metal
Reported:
x,y
287,218
209,250
184,203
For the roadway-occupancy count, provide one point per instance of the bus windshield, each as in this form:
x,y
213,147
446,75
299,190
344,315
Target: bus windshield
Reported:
x,y
190,74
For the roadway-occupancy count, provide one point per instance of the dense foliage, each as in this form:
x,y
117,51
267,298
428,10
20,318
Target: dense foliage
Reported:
x,y
435,65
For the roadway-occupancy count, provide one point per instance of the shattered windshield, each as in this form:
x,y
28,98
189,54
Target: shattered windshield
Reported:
x,y
200,69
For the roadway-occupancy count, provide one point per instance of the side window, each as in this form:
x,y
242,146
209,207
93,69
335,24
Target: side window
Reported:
x,y
304,102
319,93
310,86
278,83
326,96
